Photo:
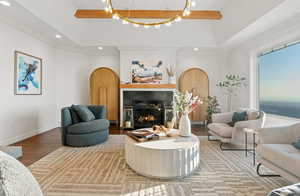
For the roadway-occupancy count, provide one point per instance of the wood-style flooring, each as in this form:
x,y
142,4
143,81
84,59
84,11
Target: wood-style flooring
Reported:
x,y
38,146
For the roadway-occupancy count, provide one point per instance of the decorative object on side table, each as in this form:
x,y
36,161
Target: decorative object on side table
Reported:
x,y
171,74
28,74
185,103
231,85
213,107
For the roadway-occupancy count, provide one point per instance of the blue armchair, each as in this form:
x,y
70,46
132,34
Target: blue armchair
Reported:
x,y
84,133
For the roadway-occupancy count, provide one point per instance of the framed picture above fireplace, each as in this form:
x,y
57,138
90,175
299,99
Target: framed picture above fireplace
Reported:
x,y
146,72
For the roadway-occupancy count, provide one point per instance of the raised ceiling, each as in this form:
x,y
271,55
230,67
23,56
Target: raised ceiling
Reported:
x,y
46,17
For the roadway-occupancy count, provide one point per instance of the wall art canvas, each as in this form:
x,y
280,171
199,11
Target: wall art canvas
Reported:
x,y
28,74
146,72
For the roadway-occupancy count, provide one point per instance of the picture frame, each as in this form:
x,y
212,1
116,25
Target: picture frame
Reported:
x,y
150,72
28,74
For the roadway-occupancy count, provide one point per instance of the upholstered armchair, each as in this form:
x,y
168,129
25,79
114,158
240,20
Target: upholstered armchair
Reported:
x,y
80,134
276,152
221,130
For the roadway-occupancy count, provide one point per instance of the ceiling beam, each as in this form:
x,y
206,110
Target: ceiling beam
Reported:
x,y
149,14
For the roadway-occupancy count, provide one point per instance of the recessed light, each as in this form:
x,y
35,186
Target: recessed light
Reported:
x,y
5,3
196,49
58,36
100,48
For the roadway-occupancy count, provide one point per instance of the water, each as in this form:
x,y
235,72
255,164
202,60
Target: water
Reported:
x,y
290,109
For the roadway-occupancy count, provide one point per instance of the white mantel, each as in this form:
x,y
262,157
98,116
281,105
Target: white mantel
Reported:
x,y
144,87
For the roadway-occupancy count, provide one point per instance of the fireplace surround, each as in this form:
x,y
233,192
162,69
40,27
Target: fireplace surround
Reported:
x,y
144,107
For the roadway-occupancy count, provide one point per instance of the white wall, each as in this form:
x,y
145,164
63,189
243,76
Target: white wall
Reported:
x,y
24,116
212,61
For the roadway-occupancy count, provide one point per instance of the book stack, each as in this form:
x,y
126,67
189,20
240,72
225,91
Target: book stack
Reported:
x,y
142,135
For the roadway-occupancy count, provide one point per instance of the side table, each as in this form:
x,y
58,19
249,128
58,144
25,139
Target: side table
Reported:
x,y
254,133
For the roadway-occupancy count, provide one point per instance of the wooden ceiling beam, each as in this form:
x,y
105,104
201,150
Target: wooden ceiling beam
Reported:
x,y
149,14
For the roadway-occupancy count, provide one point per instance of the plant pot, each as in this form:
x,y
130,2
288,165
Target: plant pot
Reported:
x,y
185,126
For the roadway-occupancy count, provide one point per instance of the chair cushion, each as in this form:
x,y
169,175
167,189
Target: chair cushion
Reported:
x,y
296,144
239,116
88,127
74,116
253,115
284,156
84,113
16,179
221,129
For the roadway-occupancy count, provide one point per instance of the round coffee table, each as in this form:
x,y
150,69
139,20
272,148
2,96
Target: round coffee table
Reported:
x,y
168,157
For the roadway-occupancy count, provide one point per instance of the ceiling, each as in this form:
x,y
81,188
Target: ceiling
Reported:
x,y
46,18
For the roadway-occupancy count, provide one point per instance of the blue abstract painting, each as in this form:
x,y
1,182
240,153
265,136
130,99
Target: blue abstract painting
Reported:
x,y
28,74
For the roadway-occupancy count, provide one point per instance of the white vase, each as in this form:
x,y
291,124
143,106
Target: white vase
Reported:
x,y
172,80
185,126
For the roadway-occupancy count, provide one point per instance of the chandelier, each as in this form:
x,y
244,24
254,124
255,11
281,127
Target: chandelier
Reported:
x,y
186,11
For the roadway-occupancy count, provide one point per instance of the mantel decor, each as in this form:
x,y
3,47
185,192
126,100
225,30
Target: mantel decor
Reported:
x,y
186,10
28,74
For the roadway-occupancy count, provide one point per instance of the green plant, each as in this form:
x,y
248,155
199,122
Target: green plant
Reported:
x,y
213,107
231,85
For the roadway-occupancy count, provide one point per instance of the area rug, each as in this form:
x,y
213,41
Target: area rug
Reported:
x,y
101,170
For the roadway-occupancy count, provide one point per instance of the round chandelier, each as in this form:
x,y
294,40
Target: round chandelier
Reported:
x,y
185,11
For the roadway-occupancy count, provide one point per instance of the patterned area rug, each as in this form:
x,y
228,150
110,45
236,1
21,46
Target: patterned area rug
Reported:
x,y
101,170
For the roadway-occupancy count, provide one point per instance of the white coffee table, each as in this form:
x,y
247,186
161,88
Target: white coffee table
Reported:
x,y
168,157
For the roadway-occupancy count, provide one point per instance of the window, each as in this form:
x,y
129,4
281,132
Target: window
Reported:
x,y
279,81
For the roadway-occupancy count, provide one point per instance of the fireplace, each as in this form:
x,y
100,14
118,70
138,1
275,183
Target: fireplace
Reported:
x,y
143,109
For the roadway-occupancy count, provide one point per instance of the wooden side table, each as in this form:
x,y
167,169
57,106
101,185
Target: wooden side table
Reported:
x,y
254,133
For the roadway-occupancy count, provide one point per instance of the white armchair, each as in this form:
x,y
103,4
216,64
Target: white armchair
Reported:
x,y
223,132
276,152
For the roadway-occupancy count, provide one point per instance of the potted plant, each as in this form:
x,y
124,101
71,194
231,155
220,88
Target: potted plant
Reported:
x,y
213,107
231,85
185,103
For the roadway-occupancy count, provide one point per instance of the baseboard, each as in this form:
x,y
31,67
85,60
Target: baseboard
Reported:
x,y
28,134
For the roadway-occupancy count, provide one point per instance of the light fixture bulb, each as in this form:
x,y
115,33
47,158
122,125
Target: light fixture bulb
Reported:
x,y
100,48
193,3
178,19
5,3
168,24
196,49
125,22
116,17
58,36
157,26
136,25
146,26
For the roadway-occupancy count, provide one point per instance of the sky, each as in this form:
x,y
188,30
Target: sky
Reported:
x,y
279,73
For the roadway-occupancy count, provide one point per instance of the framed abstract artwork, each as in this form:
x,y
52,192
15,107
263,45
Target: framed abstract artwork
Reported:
x,y
28,74
146,72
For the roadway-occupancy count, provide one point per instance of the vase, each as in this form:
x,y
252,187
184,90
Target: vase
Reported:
x,y
185,126
172,80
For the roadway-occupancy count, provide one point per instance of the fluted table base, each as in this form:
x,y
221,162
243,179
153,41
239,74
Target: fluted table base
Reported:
x,y
168,157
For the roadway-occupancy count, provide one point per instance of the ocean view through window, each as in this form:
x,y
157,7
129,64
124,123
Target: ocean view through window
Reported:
x,y
279,81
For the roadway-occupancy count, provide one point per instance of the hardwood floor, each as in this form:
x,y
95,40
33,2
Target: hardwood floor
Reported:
x,y
38,146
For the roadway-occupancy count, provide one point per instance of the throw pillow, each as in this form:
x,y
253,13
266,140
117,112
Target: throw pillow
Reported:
x,y
296,144
74,116
84,113
16,179
239,116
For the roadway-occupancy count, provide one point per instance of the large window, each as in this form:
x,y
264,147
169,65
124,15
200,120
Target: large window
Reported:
x,y
279,81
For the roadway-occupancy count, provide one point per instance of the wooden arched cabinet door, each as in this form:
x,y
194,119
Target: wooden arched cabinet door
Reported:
x,y
196,80
104,90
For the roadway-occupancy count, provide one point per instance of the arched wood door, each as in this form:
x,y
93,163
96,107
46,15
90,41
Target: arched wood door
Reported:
x,y
196,80
104,84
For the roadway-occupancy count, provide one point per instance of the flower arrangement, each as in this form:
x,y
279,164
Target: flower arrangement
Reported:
x,y
185,103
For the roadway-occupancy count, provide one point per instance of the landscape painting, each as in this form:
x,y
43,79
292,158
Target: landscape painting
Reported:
x,y
28,74
146,72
